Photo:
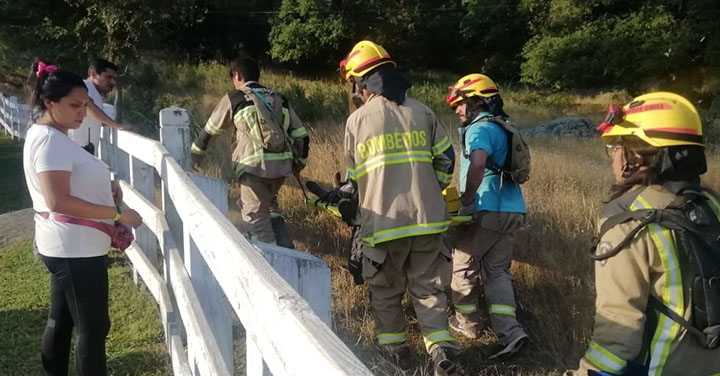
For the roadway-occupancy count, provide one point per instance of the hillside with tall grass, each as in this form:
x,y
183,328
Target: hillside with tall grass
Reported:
x,y
552,271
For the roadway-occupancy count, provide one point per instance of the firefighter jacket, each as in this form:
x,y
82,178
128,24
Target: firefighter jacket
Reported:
x,y
401,159
248,156
628,335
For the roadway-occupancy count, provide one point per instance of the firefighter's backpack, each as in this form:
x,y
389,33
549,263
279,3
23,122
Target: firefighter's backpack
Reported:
x,y
697,231
269,131
517,162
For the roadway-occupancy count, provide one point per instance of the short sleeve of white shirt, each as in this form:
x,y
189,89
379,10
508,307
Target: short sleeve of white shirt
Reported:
x,y
51,156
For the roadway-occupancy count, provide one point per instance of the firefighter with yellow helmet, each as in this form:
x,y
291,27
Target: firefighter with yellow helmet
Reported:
x,y
649,302
483,249
400,159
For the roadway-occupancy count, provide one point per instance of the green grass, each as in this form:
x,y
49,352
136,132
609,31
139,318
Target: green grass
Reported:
x,y
135,345
13,191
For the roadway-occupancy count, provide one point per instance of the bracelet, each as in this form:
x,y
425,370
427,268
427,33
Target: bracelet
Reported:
x,y
117,216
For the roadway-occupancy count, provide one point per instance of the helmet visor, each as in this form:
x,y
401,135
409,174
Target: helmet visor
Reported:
x,y
453,96
614,117
343,71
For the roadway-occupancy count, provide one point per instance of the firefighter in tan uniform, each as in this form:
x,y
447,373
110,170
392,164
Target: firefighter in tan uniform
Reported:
x,y
655,143
400,159
260,172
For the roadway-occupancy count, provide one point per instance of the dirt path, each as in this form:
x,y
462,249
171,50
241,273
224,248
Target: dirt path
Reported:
x,y
15,226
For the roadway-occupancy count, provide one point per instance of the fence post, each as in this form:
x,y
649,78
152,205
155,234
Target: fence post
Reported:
x,y
213,301
175,136
120,162
307,274
105,152
142,179
25,112
3,109
254,363
13,122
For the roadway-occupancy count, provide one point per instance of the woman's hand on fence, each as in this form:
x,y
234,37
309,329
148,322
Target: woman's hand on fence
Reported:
x,y
131,218
116,192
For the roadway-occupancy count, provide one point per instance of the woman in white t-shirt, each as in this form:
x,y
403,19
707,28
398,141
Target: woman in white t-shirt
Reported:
x,y
65,180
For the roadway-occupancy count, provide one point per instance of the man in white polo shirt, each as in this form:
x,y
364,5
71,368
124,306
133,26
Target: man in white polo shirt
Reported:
x,y
102,76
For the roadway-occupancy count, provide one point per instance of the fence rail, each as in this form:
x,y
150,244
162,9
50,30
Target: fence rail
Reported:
x,y
200,269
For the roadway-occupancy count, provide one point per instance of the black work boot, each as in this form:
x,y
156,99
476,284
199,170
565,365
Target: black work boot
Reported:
x,y
283,237
444,362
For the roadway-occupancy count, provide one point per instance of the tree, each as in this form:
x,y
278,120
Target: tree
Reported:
x,y
305,31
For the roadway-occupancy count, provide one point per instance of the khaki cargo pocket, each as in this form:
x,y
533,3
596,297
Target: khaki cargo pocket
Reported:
x,y
372,262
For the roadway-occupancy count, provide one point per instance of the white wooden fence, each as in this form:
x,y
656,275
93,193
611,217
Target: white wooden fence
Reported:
x,y
200,269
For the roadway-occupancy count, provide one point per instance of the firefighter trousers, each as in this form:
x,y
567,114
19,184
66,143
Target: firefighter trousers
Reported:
x,y
260,212
481,260
420,264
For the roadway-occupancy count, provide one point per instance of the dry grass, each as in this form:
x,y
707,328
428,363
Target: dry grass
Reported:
x,y
553,274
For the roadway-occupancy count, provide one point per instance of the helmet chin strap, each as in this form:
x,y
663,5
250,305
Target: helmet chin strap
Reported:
x,y
356,95
470,113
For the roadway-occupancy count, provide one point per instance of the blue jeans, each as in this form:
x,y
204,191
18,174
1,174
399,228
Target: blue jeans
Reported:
x,y
78,299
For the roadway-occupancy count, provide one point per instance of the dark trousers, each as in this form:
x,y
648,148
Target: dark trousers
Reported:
x,y
78,299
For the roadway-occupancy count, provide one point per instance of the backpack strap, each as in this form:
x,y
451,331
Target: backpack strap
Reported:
x,y
657,305
671,218
489,164
267,105
645,216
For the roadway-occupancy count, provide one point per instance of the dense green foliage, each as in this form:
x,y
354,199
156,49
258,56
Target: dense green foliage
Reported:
x,y
558,44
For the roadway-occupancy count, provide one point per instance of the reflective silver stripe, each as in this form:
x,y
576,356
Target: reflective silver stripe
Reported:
x,y
389,159
402,232
390,338
466,308
443,177
441,146
502,309
196,150
604,359
286,120
298,132
667,329
438,336
212,129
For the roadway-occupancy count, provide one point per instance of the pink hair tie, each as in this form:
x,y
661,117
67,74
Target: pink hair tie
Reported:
x,y
42,67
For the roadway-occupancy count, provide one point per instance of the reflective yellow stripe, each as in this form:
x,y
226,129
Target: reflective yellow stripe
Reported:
x,y
391,338
389,159
466,308
441,146
212,129
438,336
247,114
403,232
298,132
502,309
715,203
604,359
253,160
443,177
196,150
667,329
286,120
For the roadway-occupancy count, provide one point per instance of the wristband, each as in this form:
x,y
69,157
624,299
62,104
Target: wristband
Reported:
x,y
117,216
